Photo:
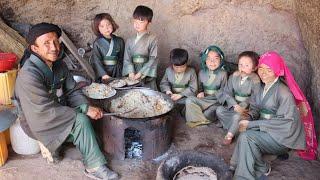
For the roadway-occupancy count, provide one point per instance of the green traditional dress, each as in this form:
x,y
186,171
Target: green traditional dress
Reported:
x,y
107,56
184,83
51,117
275,128
201,110
141,55
237,91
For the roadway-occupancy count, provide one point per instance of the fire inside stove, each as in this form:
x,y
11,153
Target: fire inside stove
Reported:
x,y
133,144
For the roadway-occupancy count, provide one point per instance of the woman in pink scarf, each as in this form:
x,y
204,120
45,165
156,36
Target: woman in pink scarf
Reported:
x,y
279,119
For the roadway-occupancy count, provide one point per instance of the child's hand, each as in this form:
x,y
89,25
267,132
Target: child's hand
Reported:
x,y
200,95
105,77
137,76
239,109
243,124
176,97
169,93
131,75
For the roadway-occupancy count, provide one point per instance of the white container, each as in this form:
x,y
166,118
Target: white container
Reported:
x,y
21,143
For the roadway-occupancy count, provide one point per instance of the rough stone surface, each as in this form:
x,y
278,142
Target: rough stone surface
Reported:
x,y
234,25
308,13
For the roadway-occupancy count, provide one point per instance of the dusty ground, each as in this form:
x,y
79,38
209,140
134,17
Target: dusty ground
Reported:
x,y
206,138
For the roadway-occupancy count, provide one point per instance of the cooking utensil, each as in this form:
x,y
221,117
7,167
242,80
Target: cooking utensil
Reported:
x,y
118,113
146,91
96,96
78,86
133,87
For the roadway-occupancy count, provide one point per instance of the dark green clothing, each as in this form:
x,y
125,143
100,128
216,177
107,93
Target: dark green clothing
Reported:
x,y
49,118
210,82
82,135
275,127
141,56
186,85
284,125
247,155
107,56
236,93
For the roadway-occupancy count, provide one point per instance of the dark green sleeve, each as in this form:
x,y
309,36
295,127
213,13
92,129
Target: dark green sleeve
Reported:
x,y
76,98
96,61
200,84
150,68
121,53
192,86
127,62
165,84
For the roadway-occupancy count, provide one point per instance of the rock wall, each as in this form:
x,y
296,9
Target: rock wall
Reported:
x,y
234,25
308,12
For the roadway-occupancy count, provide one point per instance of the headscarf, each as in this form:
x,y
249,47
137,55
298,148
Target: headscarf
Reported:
x,y
36,31
204,55
279,67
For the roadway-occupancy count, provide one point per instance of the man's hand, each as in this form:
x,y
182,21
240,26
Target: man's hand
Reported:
x,y
137,76
94,113
131,75
200,95
176,97
243,124
105,77
169,93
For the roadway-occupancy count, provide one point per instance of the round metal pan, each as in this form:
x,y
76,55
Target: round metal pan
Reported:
x,y
149,92
111,93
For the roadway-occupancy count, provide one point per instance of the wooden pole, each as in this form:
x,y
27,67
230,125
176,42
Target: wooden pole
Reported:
x,y
72,48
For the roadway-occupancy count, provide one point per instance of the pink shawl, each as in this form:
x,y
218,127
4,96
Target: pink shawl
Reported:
x,y
277,64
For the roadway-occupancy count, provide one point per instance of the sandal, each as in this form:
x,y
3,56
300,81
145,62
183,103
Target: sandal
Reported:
x,y
227,140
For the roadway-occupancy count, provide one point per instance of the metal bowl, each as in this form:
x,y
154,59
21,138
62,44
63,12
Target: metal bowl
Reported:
x,y
79,78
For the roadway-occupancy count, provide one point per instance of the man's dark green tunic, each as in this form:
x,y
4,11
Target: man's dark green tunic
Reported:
x,y
51,117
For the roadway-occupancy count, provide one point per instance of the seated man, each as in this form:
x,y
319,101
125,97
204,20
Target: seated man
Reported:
x,y
49,116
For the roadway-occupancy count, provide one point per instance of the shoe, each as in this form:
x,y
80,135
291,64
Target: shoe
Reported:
x,y
227,140
269,170
103,173
219,125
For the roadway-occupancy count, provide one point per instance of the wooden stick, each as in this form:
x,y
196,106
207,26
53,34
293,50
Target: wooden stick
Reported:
x,y
72,48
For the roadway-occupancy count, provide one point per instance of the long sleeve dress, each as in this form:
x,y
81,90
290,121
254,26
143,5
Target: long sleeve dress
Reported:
x,y
236,92
184,83
203,109
141,56
50,115
107,56
275,128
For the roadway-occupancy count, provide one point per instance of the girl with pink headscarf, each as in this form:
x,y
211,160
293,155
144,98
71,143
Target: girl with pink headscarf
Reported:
x,y
280,119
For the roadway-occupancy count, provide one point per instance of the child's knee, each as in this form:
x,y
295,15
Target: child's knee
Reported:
x,y
219,111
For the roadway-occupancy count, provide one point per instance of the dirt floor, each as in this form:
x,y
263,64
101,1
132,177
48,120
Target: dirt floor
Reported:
x,y
205,138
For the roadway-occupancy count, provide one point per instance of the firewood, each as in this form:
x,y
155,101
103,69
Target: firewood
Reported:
x,y
11,41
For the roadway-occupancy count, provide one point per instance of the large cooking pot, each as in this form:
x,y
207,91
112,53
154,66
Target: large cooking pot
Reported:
x,y
146,91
